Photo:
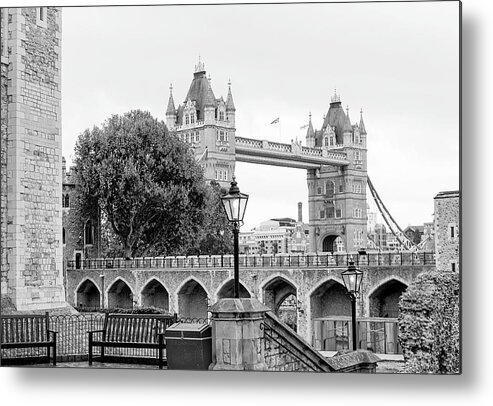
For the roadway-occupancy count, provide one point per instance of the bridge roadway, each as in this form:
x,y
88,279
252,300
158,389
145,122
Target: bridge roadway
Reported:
x,y
188,285
292,155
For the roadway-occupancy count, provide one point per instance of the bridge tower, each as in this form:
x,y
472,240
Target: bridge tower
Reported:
x,y
208,125
337,194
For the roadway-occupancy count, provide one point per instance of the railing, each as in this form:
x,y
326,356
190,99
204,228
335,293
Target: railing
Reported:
x,y
323,260
378,334
284,350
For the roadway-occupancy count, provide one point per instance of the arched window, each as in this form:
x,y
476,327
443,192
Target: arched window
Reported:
x,y
88,233
187,119
66,200
331,140
330,188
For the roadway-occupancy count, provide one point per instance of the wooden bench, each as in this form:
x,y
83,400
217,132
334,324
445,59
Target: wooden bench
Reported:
x,y
131,331
27,331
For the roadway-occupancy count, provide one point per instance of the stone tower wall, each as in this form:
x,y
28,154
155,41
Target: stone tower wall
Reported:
x,y
33,236
447,231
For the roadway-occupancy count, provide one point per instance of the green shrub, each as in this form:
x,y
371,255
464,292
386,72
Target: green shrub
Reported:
x,y
429,324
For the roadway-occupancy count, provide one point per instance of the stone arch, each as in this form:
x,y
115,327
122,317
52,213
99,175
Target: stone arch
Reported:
x,y
329,298
192,299
87,294
281,295
383,300
329,243
275,289
120,294
155,294
226,290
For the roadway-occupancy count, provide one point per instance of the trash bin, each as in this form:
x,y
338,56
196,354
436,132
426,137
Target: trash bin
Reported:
x,y
189,346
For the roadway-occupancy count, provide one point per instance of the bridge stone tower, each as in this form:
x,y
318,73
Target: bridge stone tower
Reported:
x,y
337,194
208,125
31,159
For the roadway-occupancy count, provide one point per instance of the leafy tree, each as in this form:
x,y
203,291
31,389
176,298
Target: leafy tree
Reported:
x,y
216,236
146,182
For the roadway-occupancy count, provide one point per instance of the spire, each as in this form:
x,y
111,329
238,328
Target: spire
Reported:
x,y
362,129
200,67
229,101
335,98
171,103
310,132
347,124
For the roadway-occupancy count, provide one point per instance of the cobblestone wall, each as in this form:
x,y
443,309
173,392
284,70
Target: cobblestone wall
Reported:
x,y
447,231
34,213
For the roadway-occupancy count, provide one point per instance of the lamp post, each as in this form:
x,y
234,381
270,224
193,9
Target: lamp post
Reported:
x,y
352,277
102,291
234,204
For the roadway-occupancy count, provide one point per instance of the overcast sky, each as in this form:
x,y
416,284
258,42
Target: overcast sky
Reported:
x,y
399,62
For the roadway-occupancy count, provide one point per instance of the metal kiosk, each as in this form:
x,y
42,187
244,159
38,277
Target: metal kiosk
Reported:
x,y
189,346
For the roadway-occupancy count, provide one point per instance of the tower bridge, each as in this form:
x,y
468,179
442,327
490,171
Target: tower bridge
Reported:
x,y
335,158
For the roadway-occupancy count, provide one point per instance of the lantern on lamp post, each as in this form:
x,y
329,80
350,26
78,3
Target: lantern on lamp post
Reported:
x,y
234,204
352,277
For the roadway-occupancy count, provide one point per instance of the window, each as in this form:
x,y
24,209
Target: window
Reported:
x,y
41,16
357,213
221,115
197,137
356,187
192,118
88,233
453,266
322,214
187,119
326,142
331,141
63,235
330,188
330,212
338,213
66,201
452,232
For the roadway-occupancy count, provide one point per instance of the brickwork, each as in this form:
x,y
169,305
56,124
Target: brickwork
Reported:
x,y
3,161
447,230
33,238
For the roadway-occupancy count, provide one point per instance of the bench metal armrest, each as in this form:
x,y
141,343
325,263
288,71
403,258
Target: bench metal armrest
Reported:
x,y
53,332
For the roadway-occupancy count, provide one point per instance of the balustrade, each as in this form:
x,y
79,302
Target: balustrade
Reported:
x,y
320,260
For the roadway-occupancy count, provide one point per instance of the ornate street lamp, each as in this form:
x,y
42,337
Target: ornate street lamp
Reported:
x,y
235,204
352,277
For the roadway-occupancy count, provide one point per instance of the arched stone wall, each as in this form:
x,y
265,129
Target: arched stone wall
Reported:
x,y
154,294
384,300
192,300
120,295
227,289
88,295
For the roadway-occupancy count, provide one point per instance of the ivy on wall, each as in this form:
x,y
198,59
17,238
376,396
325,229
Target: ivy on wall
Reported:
x,y
429,324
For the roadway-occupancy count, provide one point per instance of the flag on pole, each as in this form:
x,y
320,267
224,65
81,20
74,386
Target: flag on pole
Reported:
x,y
275,121
303,127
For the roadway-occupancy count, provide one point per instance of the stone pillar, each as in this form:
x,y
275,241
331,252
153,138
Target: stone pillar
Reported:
x,y
236,335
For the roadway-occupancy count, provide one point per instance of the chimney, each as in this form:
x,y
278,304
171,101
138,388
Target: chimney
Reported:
x,y
300,215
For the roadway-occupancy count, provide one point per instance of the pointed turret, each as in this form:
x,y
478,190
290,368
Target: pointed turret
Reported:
x,y
310,133
230,106
362,129
347,124
171,111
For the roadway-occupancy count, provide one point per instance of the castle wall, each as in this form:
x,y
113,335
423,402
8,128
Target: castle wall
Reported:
x,y
447,217
33,235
